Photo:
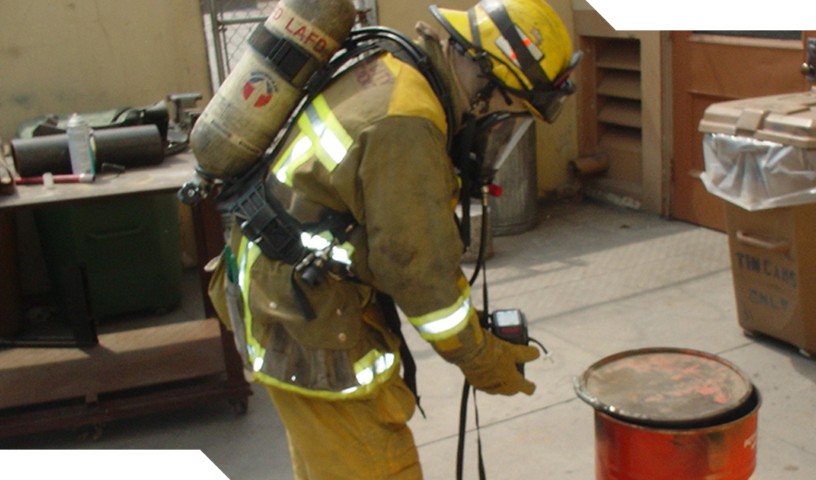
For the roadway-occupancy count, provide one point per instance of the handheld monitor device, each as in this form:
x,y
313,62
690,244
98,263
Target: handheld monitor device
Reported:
x,y
510,325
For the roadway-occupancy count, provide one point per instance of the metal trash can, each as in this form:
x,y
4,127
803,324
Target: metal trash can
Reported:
x,y
516,210
760,157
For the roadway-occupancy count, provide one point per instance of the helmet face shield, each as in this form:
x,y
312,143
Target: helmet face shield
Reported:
x,y
547,104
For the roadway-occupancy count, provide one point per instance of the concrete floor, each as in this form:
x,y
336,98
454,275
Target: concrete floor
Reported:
x,y
593,280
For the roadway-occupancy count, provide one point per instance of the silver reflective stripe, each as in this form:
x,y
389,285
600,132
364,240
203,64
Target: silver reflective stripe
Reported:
x,y
531,47
258,363
447,323
319,242
366,375
321,137
328,140
314,242
342,254
508,51
248,254
300,148
380,365
242,268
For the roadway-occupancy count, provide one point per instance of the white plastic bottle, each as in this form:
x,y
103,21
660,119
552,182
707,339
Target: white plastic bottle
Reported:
x,y
80,145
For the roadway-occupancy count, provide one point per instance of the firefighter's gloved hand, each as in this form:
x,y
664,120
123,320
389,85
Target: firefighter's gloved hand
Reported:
x,y
493,369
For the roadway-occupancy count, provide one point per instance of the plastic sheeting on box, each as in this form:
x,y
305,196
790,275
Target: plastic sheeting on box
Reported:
x,y
757,174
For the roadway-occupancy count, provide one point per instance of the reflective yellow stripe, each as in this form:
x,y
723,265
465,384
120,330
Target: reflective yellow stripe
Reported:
x,y
333,139
446,322
321,136
300,149
368,368
248,253
372,370
389,360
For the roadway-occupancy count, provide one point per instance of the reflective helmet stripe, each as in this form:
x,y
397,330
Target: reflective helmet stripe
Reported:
x,y
474,28
519,52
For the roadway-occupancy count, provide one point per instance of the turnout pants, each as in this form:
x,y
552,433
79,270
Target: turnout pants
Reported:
x,y
366,439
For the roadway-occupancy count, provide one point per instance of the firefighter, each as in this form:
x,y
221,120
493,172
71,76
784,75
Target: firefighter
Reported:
x,y
373,147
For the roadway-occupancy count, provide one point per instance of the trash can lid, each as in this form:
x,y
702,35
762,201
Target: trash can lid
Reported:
x,y
664,386
787,119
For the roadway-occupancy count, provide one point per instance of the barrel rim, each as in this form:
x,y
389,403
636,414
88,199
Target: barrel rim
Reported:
x,y
580,384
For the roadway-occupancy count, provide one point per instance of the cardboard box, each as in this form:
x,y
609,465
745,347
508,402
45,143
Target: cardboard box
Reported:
x,y
760,157
773,262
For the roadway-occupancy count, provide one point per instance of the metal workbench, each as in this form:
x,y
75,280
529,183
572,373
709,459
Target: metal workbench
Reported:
x,y
130,371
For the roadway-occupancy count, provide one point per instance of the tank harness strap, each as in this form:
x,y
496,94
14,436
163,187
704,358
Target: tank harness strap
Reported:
x,y
267,224
287,56
393,322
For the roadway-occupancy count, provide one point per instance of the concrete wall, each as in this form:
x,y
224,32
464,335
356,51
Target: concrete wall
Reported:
x,y
59,56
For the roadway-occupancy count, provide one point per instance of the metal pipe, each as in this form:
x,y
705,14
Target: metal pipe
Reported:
x,y
136,146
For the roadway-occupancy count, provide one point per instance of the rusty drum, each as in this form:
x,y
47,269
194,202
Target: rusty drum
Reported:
x,y
670,414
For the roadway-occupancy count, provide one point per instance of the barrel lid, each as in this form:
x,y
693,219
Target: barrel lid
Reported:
x,y
664,386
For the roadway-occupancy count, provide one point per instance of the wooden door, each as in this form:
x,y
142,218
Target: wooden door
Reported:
x,y
711,67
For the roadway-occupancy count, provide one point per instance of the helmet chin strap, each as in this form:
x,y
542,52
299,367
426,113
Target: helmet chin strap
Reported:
x,y
463,62
483,96
480,102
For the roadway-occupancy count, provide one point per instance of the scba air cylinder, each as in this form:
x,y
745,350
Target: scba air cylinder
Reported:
x,y
253,103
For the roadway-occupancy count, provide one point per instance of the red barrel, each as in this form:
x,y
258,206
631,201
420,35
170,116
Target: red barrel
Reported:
x,y
671,414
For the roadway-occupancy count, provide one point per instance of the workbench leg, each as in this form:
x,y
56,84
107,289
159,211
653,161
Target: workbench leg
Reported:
x,y
11,319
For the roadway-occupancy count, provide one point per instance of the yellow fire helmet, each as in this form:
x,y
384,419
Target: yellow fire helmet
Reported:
x,y
522,46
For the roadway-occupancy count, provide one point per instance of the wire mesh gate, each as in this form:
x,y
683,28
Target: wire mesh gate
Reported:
x,y
228,24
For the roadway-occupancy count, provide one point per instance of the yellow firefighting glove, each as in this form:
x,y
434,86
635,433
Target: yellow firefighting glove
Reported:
x,y
493,368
